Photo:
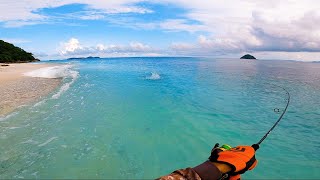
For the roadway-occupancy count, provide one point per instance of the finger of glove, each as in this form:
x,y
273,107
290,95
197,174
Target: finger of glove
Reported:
x,y
244,149
232,159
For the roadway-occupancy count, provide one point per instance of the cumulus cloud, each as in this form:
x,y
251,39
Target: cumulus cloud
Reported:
x,y
301,34
248,25
229,26
264,27
255,26
73,47
212,45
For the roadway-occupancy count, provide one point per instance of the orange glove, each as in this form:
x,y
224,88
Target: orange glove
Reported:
x,y
240,159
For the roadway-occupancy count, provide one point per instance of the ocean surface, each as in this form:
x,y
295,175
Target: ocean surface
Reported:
x,y
140,118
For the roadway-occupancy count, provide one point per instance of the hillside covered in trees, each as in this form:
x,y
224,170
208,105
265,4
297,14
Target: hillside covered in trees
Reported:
x,y
11,54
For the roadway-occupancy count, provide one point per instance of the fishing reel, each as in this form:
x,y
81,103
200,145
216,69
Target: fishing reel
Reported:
x,y
216,150
225,147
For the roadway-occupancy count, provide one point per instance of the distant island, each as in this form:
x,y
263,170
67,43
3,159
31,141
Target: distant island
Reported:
x,y
12,54
247,56
89,57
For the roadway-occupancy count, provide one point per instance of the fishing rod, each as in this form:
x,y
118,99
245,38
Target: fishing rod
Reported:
x,y
256,146
251,161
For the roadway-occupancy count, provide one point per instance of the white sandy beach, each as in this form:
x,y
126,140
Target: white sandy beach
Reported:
x,y
17,89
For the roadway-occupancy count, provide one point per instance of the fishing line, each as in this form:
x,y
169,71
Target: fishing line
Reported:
x,y
256,146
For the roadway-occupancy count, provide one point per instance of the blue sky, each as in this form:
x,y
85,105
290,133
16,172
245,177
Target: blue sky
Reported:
x,y
57,29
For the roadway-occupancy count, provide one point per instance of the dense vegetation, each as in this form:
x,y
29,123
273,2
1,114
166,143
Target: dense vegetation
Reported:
x,y
247,56
10,54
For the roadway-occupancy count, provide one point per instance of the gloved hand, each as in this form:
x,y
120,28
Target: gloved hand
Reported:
x,y
240,158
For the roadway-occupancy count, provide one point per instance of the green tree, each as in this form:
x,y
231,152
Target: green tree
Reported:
x,y
10,54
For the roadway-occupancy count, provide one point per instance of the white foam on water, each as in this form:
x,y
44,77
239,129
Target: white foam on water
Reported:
x,y
8,116
63,89
35,174
13,127
30,141
39,103
51,72
48,141
63,71
154,76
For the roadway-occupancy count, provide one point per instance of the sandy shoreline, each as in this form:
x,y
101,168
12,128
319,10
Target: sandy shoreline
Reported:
x,y
17,89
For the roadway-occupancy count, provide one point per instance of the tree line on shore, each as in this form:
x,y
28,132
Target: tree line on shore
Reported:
x,y
12,54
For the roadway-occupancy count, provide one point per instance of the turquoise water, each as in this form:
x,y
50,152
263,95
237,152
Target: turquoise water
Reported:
x,y
139,118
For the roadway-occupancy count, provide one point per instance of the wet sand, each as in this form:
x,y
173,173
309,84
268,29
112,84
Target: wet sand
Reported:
x,y
17,90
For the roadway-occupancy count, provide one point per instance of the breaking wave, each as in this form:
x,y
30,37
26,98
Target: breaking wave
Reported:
x,y
53,72
4,118
64,71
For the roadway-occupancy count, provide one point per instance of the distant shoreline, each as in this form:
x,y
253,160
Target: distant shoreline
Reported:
x,y
17,89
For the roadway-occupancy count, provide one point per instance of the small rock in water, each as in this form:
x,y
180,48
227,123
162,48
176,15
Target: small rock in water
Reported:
x,y
247,56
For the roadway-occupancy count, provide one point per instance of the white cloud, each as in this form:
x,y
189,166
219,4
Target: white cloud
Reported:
x,y
289,27
246,25
230,26
178,46
301,34
71,46
26,12
300,56
181,25
92,17
139,47
74,48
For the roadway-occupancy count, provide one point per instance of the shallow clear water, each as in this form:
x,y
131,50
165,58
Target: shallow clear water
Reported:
x,y
145,117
